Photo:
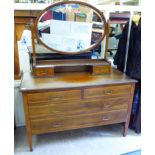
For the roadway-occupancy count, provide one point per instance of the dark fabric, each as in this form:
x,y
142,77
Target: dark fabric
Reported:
x,y
134,55
119,58
135,119
133,68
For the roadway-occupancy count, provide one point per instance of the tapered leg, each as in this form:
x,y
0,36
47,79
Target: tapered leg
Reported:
x,y
126,124
27,119
125,128
29,138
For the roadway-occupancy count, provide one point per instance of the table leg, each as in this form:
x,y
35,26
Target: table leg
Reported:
x,y
125,128
29,138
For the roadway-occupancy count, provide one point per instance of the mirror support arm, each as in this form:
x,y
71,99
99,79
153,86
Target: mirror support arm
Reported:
x,y
107,40
33,45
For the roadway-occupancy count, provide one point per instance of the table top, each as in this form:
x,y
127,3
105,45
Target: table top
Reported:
x,y
72,80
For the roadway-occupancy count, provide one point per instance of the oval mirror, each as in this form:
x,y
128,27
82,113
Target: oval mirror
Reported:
x,y
70,27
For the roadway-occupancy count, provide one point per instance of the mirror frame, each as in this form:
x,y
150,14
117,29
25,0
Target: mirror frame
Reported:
x,y
71,2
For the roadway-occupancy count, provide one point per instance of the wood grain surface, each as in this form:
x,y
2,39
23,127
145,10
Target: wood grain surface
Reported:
x,y
73,80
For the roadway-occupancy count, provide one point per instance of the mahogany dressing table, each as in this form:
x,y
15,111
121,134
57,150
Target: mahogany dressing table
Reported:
x,y
65,94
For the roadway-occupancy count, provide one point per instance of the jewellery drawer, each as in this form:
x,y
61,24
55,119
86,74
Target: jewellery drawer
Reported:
x,y
79,121
76,107
101,69
41,72
54,96
107,91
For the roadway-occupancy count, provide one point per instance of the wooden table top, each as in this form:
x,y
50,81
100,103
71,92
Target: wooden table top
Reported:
x,y
72,80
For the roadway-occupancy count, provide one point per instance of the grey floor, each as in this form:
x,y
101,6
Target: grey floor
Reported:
x,y
104,140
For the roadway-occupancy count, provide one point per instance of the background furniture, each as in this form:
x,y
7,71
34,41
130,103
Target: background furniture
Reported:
x,y
22,19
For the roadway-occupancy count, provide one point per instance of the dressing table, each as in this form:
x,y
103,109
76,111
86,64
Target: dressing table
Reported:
x,y
65,94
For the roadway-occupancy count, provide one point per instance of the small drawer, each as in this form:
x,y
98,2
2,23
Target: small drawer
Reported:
x,y
107,91
107,104
43,72
101,69
53,96
79,121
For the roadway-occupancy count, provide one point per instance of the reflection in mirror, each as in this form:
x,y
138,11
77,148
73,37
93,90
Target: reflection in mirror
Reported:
x,y
70,28
117,22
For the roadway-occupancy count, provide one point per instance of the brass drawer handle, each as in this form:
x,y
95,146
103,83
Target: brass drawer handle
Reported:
x,y
106,118
54,98
107,92
55,111
56,125
84,123
43,73
106,106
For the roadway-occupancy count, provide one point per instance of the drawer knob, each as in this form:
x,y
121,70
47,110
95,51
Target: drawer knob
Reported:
x,y
106,118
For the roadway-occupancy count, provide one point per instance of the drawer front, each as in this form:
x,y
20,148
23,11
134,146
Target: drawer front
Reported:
x,y
107,91
66,123
41,72
76,107
54,96
101,69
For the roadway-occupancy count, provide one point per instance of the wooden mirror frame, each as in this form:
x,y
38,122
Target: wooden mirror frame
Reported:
x,y
71,2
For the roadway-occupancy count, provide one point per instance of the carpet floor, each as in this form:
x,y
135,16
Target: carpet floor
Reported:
x,y
103,140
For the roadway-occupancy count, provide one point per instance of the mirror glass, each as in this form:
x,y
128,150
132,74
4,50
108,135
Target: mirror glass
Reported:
x,y
70,27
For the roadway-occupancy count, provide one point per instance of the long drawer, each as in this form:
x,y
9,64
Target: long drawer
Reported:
x,y
107,91
80,121
54,96
78,107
